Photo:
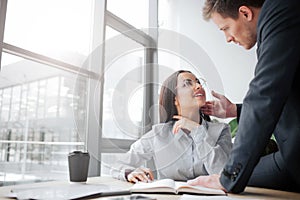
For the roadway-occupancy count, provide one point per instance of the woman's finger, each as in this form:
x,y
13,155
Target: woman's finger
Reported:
x,y
174,127
177,129
132,179
142,177
148,173
177,117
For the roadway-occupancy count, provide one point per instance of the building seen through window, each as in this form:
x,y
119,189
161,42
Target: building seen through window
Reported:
x,y
40,121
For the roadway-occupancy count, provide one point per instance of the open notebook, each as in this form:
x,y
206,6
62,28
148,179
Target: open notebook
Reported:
x,y
76,191
171,186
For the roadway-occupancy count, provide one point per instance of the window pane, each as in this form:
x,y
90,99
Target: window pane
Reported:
x,y
57,28
123,89
129,10
42,120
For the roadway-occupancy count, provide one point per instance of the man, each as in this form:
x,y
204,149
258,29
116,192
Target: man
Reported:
x,y
272,102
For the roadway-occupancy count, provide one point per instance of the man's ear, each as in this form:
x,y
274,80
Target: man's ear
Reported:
x,y
246,13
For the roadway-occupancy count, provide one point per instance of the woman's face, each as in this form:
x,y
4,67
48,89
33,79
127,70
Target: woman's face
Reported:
x,y
190,93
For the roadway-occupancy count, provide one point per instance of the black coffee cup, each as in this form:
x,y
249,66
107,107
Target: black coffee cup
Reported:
x,y
78,166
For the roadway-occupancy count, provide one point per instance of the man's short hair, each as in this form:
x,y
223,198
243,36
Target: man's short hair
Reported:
x,y
228,8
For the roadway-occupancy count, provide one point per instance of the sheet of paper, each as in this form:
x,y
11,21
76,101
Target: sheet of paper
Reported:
x,y
196,197
71,191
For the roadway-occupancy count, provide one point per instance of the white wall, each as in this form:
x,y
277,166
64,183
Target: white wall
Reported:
x,y
234,64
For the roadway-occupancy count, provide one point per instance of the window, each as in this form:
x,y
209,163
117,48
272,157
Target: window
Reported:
x,y
129,10
128,91
43,88
58,95
123,89
38,127
58,29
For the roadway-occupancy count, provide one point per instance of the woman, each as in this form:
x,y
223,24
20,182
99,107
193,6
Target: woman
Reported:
x,y
185,144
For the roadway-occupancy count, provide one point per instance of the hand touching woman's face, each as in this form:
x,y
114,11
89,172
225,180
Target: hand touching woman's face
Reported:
x,y
190,93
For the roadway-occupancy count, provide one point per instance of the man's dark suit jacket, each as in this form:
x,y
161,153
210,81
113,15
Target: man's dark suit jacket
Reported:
x,y
272,103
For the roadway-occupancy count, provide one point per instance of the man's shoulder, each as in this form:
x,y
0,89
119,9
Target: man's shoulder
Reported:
x,y
273,8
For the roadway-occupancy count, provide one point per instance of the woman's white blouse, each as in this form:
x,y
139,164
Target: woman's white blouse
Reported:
x,y
179,156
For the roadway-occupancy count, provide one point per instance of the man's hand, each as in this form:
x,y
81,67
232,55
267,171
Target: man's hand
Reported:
x,y
184,123
221,107
211,181
140,174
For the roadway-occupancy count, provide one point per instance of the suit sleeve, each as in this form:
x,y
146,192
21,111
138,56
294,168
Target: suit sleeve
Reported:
x,y
238,110
278,60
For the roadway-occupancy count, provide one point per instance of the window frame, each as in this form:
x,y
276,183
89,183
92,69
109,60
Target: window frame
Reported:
x,y
149,42
102,18
3,8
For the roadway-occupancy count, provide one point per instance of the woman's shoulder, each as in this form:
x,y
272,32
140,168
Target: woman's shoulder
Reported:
x,y
162,127
216,131
158,132
217,127
217,124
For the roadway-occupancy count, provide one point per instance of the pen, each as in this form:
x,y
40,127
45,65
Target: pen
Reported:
x,y
148,176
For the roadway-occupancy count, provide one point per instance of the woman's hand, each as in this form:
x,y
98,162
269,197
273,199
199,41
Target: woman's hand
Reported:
x,y
184,123
140,174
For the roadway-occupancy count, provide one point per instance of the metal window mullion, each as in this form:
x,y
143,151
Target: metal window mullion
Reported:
x,y
20,104
37,100
128,30
17,51
1,104
3,8
151,70
58,114
95,90
44,98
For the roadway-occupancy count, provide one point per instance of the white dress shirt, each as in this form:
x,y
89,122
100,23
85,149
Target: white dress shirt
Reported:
x,y
180,156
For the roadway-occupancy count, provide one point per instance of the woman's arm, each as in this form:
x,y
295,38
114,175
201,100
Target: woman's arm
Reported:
x,y
140,152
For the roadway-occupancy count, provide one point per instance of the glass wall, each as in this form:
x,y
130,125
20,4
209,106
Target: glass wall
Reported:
x,y
57,95
43,105
39,106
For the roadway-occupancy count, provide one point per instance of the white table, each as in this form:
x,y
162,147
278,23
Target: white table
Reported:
x,y
250,192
